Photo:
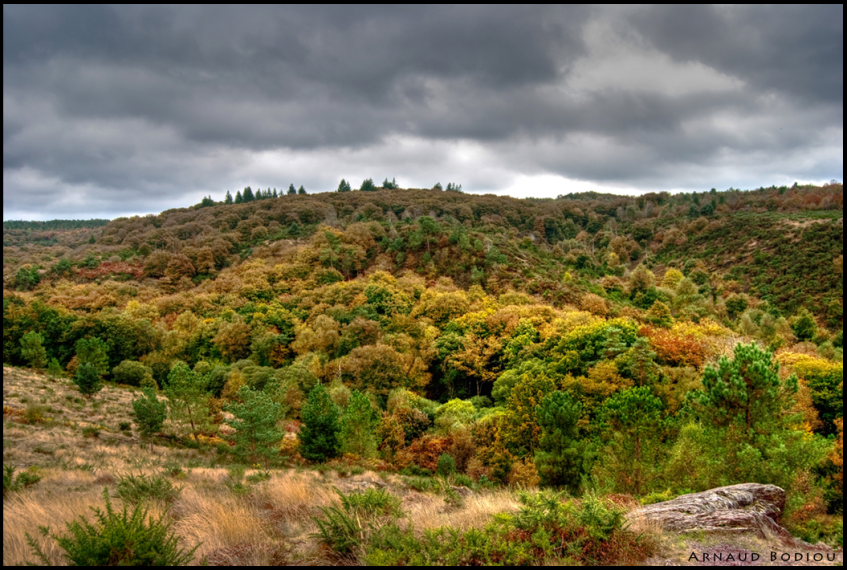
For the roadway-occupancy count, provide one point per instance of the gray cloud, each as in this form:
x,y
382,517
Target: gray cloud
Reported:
x,y
120,110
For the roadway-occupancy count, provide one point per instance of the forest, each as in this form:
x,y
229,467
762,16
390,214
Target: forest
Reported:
x,y
590,347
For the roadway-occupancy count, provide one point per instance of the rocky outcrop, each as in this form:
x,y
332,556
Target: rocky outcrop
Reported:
x,y
743,508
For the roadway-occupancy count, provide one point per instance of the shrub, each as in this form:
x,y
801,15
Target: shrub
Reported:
x,y
348,526
118,539
134,489
12,483
133,373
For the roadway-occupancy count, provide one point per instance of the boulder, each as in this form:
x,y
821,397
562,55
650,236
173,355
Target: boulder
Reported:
x,y
744,508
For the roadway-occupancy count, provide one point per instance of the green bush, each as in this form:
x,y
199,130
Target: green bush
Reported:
x,y
134,489
12,483
118,539
348,526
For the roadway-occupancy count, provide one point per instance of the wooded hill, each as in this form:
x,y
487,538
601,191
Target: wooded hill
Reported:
x,y
647,345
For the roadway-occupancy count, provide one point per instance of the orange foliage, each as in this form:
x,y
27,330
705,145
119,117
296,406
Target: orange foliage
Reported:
x,y
674,348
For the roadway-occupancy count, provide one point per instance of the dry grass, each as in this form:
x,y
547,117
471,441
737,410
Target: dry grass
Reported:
x,y
266,523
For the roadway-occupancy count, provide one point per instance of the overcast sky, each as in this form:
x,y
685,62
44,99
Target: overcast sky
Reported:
x,y
121,110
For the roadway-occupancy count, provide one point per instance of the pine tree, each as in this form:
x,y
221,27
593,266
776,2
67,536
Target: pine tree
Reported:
x,y
344,186
560,452
804,325
301,190
291,189
358,426
87,379
187,394
256,434
367,185
32,349
239,199
319,435
248,195
150,412
228,199
745,391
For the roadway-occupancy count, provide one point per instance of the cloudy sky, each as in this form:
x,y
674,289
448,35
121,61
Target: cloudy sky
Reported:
x,y
111,111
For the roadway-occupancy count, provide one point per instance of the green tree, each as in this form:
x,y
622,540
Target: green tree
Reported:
x,y
344,186
93,351
559,458
27,278
747,431
189,400
291,189
632,424
803,325
248,195
359,427
301,190
132,373
87,379
150,412
32,349
319,435
367,185
257,434
228,199
660,315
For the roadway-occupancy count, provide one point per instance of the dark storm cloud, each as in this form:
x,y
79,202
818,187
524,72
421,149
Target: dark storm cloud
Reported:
x,y
152,107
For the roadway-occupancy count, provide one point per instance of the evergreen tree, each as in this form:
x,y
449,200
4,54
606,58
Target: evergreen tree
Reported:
x,y
239,199
248,196
150,412
301,190
228,199
344,186
32,349
746,391
319,434
187,394
438,186
256,434
632,424
87,379
358,426
367,185
291,189
390,185
93,351
559,458
804,325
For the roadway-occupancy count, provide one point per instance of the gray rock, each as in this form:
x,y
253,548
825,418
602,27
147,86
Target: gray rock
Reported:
x,y
743,508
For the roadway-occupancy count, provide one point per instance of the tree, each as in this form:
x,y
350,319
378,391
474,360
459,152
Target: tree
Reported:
x,y
368,185
301,190
746,391
88,379
257,434
291,189
248,195
238,198
359,427
32,349
560,452
187,394
747,431
93,351
150,412
344,186
228,199
390,185
319,434
633,421
438,186
804,325
659,314
133,373
27,278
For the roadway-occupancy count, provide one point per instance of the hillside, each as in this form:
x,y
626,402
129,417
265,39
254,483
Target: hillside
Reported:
x,y
617,349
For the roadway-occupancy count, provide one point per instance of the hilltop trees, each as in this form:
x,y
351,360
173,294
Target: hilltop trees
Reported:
x,y
319,436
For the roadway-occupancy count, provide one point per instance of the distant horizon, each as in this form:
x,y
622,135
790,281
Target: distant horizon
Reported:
x,y
283,191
